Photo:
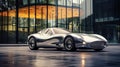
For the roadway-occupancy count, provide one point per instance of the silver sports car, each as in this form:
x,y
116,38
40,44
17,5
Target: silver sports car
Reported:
x,y
62,39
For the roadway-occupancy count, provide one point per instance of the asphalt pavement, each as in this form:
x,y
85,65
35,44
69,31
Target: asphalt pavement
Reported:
x,y
22,56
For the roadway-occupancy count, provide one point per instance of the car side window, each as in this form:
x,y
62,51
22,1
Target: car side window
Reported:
x,y
49,32
43,31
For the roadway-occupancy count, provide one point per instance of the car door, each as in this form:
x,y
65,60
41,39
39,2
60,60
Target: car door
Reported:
x,y
47,39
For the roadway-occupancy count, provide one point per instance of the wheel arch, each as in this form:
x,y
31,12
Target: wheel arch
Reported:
x,y
68,36
30,37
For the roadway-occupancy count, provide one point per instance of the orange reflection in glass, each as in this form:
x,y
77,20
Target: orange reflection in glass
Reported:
x,y
41,12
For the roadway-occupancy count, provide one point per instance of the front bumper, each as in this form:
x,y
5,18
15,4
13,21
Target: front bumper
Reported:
x,y
94,45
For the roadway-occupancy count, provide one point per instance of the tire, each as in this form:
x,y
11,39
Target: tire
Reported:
x,y
98,49
69,44
32,43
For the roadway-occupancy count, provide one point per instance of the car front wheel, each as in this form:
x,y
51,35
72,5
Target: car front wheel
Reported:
x,y
32,43
69,44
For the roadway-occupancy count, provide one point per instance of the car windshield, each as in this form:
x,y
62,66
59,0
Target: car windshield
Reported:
x,y
42,31
60,31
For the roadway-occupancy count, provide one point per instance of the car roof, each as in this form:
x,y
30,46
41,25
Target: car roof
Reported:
x,y
58,30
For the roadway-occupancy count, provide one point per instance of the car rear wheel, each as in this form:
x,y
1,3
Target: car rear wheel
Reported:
x,y
32,43
69,44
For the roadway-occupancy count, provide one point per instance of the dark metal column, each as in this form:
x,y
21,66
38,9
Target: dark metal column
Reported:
x,y
28,17
56,15
66,16
72,15
79,22
47,14
7,20
17,34
35,17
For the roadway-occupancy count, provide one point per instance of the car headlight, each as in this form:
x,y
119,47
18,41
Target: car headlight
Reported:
x,y
84,42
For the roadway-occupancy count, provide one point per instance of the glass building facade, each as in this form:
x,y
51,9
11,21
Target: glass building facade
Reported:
x,y
19,18
107,19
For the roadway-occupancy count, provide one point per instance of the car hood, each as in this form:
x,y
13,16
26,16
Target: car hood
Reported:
x,y
90,37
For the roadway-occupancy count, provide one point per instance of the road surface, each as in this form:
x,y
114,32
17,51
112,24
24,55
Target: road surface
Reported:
x,y
21,56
